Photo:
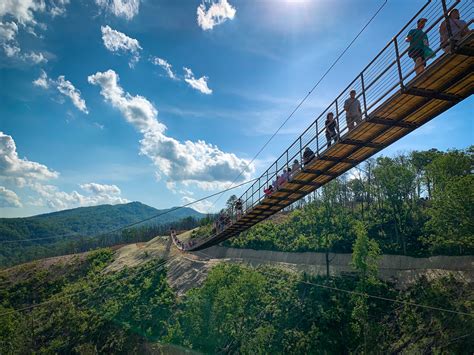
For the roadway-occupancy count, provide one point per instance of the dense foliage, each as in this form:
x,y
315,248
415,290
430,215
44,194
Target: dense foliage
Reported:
x,y
238,309
92,312
416,204
86,228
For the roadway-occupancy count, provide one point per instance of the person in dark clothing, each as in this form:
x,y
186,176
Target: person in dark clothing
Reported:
x,y
238,208
308,155
330,128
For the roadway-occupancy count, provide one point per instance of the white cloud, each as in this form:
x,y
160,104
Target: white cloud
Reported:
x,y
8,31
9,198
215,14
22,10
184,162
21,14
198,84
27,174
11,50
137,110
58,7
99,189
42,81
201,206
98,194
119,42
165,65
34,58
12,166
121,8
65,87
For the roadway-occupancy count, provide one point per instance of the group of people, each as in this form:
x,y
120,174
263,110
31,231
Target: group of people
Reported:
x,y
287,175
221,222
419,49
181,245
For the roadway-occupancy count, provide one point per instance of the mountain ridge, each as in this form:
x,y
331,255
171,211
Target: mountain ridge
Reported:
x,y
90,220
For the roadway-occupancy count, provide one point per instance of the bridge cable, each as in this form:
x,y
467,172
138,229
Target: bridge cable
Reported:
x,y
307,95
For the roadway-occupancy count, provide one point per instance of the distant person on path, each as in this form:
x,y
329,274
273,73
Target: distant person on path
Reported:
x,y
459,29
330,128
308,155
419,49
353,111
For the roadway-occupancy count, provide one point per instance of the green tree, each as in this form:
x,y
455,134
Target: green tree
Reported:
x,y
364,259
451,224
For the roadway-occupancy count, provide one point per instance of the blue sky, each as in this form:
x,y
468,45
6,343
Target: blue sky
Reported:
x,y
108,124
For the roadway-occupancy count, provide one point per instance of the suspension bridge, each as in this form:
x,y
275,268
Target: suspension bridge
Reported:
x,y
394,102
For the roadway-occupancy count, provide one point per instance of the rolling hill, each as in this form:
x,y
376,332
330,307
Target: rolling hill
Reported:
x,y
88,221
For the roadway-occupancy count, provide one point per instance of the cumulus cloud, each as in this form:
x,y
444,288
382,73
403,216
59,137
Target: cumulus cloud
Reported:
x,y
126,9
165,65
198,84
211,13
8,31
179,161
42,81
22,10
21,13
99,189
65,87
12,166
35,58
58,7
201,206
96,194
119,42
23,173
9,198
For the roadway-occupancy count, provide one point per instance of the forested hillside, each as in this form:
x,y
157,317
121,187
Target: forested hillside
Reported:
x,y
84,228
418,204
78,308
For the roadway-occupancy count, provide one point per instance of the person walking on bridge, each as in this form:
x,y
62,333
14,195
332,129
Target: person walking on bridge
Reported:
x,y
459,29
238,208
330,128
353,111
419,49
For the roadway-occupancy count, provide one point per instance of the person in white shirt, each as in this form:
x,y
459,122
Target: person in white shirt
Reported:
x,y
353,111
459,29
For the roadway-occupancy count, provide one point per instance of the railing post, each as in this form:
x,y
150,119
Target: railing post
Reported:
x,y
253,193
363,93
448,27
301,154
337,120
397,54
317,139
